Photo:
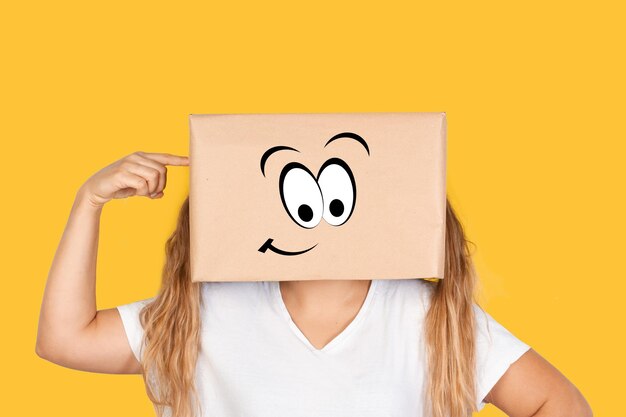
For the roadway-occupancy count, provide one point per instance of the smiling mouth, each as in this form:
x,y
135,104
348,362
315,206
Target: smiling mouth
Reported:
x,y
268,245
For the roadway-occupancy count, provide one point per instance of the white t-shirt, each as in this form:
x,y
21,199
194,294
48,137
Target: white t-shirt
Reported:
x,y
255,362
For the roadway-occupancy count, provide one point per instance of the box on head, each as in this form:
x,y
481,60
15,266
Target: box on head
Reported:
x,y
309,196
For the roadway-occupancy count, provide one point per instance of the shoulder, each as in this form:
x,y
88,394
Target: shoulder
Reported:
x,y
491,334
131,322
130,312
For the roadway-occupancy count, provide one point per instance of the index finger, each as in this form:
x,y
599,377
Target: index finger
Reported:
x,y
167,158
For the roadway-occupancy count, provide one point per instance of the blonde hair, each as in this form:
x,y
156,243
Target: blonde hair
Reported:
x,y
449,329
172,330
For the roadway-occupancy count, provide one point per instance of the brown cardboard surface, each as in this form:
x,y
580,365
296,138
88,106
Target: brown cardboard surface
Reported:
x,y
244,228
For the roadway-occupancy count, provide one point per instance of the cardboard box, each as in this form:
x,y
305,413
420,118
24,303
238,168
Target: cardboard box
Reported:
x,y
281,197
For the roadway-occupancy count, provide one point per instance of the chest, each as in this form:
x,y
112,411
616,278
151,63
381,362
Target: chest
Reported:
x,y
267,380
255,361
262,366
322,327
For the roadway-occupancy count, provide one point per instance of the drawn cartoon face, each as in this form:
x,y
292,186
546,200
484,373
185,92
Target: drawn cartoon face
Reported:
x,y
307,198
317,196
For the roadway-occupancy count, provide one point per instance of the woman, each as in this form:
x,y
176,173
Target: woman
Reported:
x,y
324,347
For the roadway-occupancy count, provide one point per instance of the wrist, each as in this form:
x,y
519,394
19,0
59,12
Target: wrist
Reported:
x,y
83,200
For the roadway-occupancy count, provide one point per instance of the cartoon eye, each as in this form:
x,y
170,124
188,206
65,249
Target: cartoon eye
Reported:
x,y
338,191
301,196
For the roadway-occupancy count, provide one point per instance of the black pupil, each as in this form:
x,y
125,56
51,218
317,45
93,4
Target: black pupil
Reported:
x,y
305,212
336,208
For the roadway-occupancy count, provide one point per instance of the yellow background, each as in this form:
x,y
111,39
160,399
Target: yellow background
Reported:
x,y
534,94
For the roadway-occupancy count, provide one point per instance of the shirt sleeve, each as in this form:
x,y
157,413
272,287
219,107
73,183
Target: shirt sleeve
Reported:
x,y
132,326
496,349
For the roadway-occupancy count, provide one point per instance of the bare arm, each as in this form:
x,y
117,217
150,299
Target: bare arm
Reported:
x,y
532,387
71,332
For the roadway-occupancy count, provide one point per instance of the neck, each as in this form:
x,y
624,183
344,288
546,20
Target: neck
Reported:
x,y
323,294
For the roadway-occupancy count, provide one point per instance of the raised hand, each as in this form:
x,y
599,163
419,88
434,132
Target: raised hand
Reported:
x,y
137,174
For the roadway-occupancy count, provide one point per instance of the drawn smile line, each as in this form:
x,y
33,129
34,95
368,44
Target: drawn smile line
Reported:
x,y
268,245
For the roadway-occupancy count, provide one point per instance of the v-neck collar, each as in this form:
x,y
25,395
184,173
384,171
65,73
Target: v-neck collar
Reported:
x,y
278,299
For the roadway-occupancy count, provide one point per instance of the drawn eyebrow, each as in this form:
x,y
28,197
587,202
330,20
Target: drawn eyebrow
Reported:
x,y
348,135
351,136
270,151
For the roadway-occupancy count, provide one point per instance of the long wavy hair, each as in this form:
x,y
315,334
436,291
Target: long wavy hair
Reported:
x,y
172,323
